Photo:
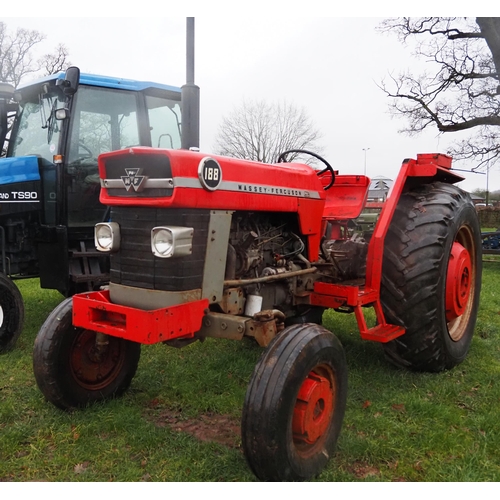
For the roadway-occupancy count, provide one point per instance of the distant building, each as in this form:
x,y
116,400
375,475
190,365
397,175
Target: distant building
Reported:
x,y
477,199
379,189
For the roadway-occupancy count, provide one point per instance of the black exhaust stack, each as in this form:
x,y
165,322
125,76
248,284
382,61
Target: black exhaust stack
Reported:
x,y
190,95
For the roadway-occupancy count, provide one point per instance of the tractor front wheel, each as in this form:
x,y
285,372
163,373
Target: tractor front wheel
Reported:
x,y
432,277
11,313
295,404
74,367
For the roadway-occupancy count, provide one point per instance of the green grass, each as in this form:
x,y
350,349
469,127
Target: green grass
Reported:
x,y
399,426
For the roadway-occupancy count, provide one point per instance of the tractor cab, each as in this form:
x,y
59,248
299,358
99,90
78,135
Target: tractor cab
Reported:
x,y
54,129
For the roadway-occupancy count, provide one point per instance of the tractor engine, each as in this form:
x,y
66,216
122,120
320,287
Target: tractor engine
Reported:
x,y
348,257
18,235
264,245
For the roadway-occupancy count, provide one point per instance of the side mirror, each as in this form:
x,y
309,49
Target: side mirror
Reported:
x,y
73,77
71,80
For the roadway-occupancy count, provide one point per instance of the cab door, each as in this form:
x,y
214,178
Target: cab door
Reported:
x,y
102,120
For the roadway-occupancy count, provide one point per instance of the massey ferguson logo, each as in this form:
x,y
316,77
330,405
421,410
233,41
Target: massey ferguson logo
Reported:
x,y
133,179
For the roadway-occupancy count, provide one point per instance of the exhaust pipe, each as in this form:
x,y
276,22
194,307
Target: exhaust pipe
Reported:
x,y
190,96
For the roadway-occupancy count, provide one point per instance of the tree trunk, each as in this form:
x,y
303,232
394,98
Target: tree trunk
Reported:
x,y
490,29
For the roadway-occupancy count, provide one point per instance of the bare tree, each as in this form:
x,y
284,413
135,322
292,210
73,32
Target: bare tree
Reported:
x,y
17,59
55,62
17,55
461,92
261,131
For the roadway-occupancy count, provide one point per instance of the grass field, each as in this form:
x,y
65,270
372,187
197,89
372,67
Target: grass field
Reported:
x,y
180,419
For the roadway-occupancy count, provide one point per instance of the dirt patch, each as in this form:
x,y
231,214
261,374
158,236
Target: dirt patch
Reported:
x,y
362,470
221,429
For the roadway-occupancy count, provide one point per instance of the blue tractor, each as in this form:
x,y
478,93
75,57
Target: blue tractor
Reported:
x,y
491,242
52,131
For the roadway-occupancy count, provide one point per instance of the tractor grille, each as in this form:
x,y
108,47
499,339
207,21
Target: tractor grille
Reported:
x,y
135,265
151,167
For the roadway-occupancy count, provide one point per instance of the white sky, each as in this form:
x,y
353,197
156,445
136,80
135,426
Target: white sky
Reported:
x,y
328,65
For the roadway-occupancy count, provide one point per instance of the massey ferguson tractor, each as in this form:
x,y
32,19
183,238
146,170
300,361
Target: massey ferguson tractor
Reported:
x,y
206,246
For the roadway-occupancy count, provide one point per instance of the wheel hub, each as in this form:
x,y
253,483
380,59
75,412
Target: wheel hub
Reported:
x,y
313,409
90,367
458,281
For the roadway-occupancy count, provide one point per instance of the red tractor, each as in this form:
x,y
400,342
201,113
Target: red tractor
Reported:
x,y
206,246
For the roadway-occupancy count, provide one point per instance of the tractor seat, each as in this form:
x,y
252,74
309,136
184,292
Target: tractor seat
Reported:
x,y
346,198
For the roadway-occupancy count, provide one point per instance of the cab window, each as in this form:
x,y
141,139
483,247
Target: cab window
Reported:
x,y
102,120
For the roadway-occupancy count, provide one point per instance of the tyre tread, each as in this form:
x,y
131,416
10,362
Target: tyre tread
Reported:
x,y
272,381
412,270
48,354
12,304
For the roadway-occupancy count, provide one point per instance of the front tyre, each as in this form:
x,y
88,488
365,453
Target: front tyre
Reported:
x,y
431,277
11,313
295,404
73,370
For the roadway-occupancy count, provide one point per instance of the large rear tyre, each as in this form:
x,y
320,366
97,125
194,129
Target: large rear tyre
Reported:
x,y
431,277
295,404
11,313
72,370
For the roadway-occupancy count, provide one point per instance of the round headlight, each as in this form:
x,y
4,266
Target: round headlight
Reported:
x,y
107,236
104,236
163,242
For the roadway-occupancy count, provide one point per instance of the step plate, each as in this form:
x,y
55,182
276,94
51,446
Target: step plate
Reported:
x,y
383,333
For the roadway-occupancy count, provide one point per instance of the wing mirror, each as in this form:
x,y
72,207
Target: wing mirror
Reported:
x,y
70,82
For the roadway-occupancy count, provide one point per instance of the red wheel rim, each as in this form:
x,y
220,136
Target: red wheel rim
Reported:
x,y
93,371
314,409
458,281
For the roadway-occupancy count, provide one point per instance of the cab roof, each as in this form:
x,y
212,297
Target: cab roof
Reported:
x,y
104,81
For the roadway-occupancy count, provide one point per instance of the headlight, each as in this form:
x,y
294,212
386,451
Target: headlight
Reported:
x,y
172,241
107,236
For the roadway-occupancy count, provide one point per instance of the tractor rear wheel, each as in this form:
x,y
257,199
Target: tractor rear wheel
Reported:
x,y
73,370
431,277
295,404
11,313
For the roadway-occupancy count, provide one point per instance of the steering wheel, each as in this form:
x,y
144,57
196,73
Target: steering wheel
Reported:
x,y
89,154
328,168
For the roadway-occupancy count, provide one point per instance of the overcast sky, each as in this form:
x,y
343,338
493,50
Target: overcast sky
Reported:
x,y
328,65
